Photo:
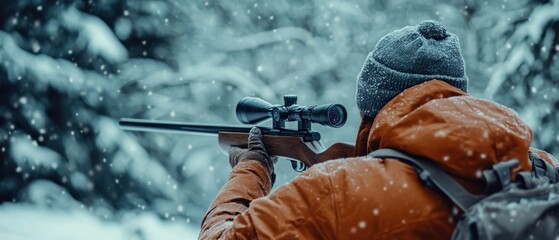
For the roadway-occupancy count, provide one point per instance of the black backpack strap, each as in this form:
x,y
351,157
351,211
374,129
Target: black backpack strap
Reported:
x,y
432,175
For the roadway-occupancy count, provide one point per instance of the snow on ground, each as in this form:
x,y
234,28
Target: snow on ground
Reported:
x,y
27,222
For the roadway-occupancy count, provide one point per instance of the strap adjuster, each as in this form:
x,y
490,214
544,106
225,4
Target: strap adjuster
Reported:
x,y
499,176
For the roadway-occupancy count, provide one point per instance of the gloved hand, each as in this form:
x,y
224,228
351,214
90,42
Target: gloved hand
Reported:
x,y
256,151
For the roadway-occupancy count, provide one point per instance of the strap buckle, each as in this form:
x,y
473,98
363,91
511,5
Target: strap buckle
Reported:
x,y
499,176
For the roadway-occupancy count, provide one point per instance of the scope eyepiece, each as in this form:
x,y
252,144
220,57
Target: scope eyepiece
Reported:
x,y
332,115
251,110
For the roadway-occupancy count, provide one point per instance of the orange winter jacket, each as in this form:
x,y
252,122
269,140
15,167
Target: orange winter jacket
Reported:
x,y
366,198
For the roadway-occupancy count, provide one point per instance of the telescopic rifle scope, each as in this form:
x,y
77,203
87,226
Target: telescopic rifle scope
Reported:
x,y
252,110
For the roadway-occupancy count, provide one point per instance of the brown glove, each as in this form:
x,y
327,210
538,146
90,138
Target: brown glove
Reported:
x,y
256,151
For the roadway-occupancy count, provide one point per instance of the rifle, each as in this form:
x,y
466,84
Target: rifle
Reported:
x,y
302,144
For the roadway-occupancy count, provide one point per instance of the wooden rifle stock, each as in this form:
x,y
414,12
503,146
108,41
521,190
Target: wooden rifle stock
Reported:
x,y
289,147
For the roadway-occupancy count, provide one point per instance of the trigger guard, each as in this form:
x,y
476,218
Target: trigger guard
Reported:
x,y
298,166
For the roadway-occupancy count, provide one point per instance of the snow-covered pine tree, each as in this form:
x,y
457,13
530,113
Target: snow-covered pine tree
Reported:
x,y
60,100
525,73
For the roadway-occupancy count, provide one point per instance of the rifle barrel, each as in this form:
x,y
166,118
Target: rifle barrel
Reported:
x,y
144,125
176,127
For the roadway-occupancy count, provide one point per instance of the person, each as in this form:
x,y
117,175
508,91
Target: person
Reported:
x,y
412,94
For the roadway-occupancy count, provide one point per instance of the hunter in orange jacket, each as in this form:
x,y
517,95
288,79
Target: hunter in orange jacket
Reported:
x,y
365,198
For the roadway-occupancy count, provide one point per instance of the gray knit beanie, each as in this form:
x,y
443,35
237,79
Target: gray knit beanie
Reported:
x,y
407,57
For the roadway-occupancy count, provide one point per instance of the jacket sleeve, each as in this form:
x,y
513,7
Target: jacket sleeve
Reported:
x,y
301,209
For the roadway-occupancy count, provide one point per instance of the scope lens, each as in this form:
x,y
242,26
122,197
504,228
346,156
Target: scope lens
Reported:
x,y
336,116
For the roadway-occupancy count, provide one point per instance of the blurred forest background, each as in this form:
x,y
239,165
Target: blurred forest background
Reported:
x,y
71,68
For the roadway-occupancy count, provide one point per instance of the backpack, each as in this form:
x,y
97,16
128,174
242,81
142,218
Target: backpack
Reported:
x,y
527,208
